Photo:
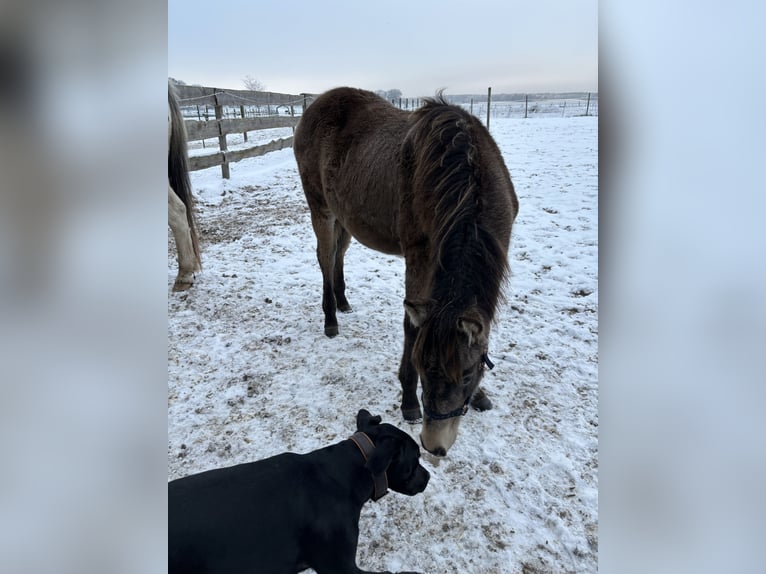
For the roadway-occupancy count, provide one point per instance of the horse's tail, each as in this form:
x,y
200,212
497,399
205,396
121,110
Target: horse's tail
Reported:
x,y
178,168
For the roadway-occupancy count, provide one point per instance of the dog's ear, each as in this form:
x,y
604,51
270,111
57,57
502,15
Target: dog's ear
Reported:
x,y
365,420
385,450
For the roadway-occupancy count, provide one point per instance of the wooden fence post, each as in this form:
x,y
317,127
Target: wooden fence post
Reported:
x,y
221,137
242,111
489,101
199,118
587,106
526,105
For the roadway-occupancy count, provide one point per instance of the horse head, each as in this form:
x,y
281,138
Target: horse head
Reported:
x,y
450,356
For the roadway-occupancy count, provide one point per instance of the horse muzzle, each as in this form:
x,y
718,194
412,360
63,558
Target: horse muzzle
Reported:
x,y
437,436
440,429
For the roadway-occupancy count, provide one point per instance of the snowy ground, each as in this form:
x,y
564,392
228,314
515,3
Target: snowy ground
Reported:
x,y
251,374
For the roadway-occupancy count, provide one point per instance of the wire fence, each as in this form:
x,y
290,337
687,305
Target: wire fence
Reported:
x,y
206,112
540,107
503,106
518,105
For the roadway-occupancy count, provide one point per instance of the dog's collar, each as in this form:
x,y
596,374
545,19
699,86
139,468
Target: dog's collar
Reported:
x,y
366,447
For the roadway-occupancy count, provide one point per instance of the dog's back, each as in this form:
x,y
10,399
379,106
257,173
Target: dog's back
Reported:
x,y
245,507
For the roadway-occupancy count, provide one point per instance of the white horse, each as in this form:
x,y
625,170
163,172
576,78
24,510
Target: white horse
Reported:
x,y
180,198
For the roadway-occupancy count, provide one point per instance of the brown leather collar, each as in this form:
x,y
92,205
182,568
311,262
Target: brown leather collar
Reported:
x,y
366,447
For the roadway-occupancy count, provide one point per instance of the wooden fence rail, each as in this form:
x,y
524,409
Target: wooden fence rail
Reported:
x,y
199,95
226,157
214,128
221,127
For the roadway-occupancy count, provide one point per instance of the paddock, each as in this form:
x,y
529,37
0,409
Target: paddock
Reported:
x,y
251,373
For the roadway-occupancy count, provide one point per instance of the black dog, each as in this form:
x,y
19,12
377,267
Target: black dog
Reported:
x,y
289,512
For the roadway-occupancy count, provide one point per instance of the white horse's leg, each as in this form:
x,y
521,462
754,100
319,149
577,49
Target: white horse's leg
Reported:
x,y
187,262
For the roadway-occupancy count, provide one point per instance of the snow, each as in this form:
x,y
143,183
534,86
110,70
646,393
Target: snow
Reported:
x,y
251,374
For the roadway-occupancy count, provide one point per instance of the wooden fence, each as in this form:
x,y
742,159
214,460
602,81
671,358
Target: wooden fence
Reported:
x,y
215,113
231,109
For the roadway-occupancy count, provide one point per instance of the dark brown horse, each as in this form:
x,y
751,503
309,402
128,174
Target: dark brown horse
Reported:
x,y
430,185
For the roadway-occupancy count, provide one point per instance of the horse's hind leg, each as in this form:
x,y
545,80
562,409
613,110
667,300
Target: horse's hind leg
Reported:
x,y
187,261
342,241
324,225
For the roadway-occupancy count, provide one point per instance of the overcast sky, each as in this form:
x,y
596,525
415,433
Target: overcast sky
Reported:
x,y
417,46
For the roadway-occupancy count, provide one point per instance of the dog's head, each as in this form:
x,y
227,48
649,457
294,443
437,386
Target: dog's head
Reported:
x,y
396,454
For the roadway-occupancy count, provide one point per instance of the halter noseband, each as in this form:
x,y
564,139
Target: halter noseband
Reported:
x,y
367,447
460,411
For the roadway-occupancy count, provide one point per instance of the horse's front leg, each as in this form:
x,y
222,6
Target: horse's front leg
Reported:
x,y
408,376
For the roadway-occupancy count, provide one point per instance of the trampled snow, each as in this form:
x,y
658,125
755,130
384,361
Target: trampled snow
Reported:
x,y
251,374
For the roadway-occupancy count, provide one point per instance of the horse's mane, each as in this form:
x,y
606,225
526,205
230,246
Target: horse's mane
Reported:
x,y
470,264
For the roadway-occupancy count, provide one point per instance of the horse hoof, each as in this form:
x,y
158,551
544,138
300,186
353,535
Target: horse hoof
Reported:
x,y
412,415
344,307
481,403
182,285
331,331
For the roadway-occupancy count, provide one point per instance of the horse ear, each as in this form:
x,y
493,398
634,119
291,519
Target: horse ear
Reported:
x,y
473,325
385,450
365,420
417,312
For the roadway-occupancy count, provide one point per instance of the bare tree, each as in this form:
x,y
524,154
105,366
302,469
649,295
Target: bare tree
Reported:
x,y
252,84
